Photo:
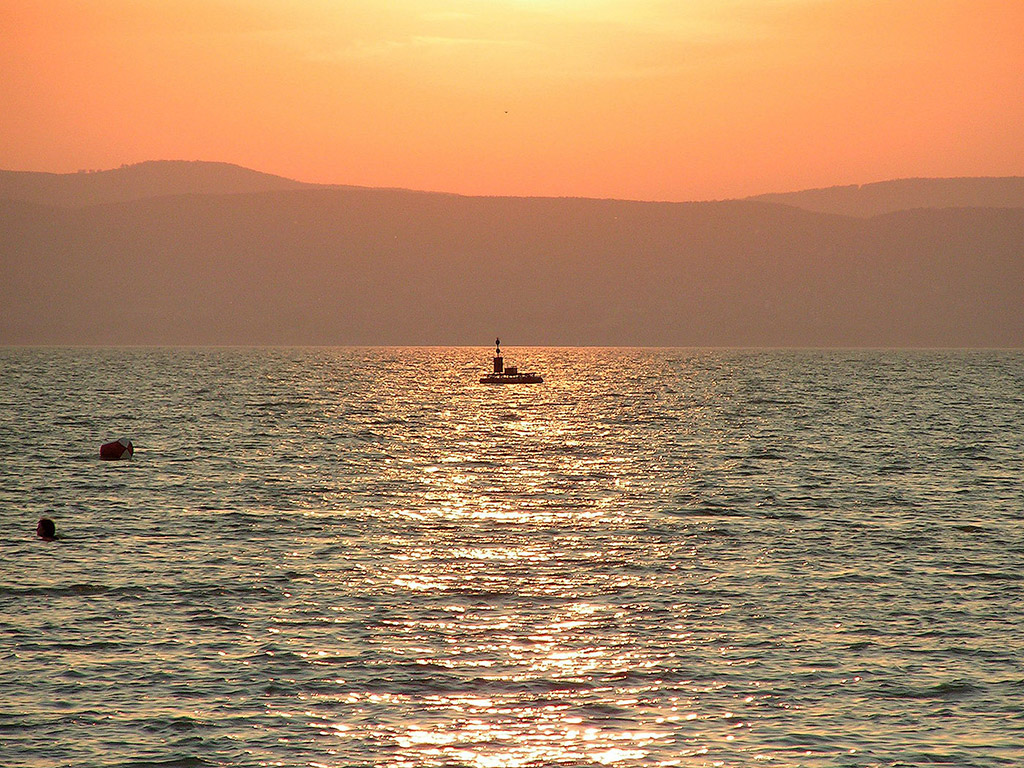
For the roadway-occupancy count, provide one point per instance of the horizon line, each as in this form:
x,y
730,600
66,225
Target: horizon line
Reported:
x,y
341,185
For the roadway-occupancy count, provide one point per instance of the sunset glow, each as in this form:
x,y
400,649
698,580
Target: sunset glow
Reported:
x,y
641,99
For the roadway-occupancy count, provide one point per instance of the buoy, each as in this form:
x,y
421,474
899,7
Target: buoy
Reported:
x,y
119,449
46,530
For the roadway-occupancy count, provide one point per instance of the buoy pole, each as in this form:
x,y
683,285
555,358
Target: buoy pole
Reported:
x,y
499,363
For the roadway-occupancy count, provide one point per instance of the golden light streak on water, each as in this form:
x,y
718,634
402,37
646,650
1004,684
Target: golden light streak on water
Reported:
x,y
322,557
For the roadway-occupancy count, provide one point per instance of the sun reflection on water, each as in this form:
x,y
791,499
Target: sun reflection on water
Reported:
x,y
672,559
519,612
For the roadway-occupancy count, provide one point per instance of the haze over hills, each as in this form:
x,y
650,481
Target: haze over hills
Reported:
x,y
216,263
134,182
906,194
158,178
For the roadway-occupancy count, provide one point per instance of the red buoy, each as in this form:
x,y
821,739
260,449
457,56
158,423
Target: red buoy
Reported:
x,y
119,449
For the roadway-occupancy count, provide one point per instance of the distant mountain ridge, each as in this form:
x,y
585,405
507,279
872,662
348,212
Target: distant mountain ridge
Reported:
x,y
906,194
327,266
155,178
159,178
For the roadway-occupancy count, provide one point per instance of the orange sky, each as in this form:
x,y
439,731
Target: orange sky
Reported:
x,y
646,99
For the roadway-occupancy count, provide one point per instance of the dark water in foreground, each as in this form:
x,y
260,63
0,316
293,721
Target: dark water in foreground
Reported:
x,y
344,557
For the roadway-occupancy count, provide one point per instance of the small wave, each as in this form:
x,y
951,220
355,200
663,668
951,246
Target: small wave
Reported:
x,y
92,645
972,452
209,619
765,453
854,578
784,516
706,511
195,592
968,528
861,645
431,679
989,576
607,713
348,661
951,690
484,596
803,740
174,762
174,724
942,758
74,590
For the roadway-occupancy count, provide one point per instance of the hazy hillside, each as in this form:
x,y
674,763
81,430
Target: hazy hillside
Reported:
x,y
175,177
351,266
906,194
134,182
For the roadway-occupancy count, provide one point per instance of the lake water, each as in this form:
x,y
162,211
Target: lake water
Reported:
x,y
364,557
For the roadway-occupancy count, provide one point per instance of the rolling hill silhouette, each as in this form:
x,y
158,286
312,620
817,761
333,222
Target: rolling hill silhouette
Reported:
x,y
156,178
305,264
907,194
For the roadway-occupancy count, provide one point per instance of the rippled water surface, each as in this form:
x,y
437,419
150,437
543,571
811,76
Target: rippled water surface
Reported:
x,y
345,557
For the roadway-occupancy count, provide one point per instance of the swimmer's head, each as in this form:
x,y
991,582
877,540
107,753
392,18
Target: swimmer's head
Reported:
x,y
46,530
